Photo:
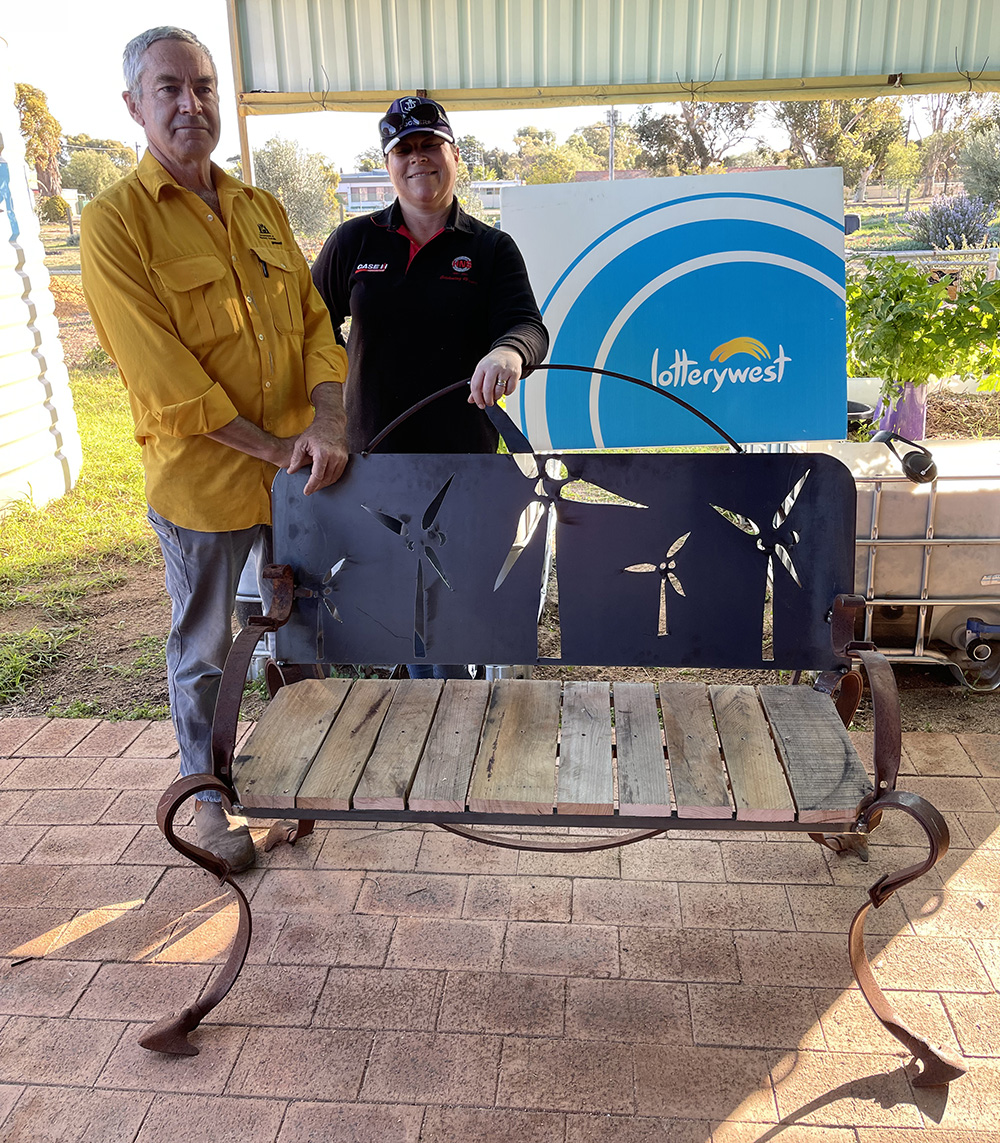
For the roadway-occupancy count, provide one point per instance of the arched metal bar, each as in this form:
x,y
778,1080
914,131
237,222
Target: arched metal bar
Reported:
x,y
502,842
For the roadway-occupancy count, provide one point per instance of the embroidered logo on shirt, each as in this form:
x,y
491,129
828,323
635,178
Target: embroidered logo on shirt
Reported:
x,y
264,233
462,264
371,267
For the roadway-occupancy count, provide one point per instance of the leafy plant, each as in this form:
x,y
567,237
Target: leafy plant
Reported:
x,y
980,162
25,656
78,708
951,222
54,208
903,327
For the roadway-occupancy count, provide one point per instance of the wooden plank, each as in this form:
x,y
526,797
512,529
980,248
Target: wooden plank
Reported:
x,y
642,768
340,760
757,778
823,768
693,756
394,760
586,774
276,757
515,769
442,779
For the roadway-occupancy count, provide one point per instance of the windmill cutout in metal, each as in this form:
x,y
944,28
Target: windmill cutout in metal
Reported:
x,y
778,544
422,541
665,569
322,591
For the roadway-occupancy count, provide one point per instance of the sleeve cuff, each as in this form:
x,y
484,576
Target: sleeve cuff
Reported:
x,y
204,414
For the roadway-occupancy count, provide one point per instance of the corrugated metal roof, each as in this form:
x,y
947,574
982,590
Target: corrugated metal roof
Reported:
x,y
298,55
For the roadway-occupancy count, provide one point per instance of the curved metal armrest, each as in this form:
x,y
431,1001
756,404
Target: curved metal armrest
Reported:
x,y
234,674
887,718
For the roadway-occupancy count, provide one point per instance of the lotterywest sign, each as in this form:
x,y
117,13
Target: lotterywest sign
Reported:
x,y
724,290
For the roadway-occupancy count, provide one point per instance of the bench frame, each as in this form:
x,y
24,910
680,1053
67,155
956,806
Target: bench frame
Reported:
x,y
842,683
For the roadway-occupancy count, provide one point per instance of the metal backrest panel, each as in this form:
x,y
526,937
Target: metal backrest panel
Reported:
x,y
660,559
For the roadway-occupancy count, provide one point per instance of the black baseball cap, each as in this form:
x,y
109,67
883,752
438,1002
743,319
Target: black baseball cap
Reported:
x,y
410,114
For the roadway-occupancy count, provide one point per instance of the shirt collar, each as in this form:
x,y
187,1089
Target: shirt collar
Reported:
x,y
392,219
155,178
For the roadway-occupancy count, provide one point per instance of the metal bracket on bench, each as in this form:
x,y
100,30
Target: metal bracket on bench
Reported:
x,y
939,1067
504,842
170,1035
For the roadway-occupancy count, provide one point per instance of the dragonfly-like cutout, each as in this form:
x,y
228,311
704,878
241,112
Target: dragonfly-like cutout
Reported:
x,y
322,590
423,541
666,570
778,543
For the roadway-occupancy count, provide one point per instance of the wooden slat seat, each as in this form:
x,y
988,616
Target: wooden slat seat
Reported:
x,y
532,747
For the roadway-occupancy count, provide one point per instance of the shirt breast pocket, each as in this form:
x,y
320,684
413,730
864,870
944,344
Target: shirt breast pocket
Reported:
x,y
194,290
280,270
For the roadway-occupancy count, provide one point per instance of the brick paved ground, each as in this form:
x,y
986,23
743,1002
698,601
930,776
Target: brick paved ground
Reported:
x,y
406,985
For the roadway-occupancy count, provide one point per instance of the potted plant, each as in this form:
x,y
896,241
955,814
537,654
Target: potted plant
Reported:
x,y
905,326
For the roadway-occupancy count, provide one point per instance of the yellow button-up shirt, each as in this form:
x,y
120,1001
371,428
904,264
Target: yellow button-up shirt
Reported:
x,y
206,319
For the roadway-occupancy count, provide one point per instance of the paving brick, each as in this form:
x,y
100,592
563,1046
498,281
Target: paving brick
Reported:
x,y
380,999
49,774
635,1129
947,794
631,1011
735,907
952,913
53,1051
562,950
991,787
189,888
109,739
671,859
134,774
14,732
446,853
132,807
31,932
769,863
82,845
736,1132
24,886
837,1089
301,1063
984,750
150,847
75,1115
351,1123
981,829
59,736
9,1095
333,940
607,902
115,932
831,908
211,1119
970,870
420,942
131,1067
518,898
513,1003
43,987
413,895
11,800
369,849
65,807
156,741
925,1135
754,1016
976,1020
93,886
989,954
272,995
418,1067
204,936
849,1025
540,863
695,1083
566,1075
938,754
678,954
804,959
482,1125
849,869
137,991
313,891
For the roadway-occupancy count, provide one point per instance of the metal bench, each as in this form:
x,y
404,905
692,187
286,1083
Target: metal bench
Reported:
x,y
706,560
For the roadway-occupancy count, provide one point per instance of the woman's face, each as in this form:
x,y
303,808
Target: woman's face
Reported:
x,y
423,168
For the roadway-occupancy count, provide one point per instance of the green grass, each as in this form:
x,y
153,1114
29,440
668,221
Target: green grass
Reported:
x,y
26,656
103,517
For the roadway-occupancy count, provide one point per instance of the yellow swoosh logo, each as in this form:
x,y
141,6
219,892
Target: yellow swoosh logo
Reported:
x,y
740,345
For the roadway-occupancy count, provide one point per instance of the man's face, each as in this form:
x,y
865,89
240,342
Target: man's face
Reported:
x,y
179,105
423,168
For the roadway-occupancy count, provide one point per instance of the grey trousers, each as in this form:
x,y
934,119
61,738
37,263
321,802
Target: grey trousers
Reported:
x,y
202,574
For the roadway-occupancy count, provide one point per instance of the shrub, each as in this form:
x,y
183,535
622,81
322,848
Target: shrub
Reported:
x,y
53,209
951,222
980,164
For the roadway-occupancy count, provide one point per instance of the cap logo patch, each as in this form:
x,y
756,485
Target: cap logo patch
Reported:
x,y
371,267
407,105
462,264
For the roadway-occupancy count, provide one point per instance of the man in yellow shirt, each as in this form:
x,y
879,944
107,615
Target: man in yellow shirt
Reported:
x,y
202,297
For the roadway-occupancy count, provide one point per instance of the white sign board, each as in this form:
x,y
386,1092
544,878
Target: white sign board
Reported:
x,y
726,291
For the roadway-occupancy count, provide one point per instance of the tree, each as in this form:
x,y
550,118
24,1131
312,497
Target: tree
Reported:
x,y
499,161
122,156
90,172
902,165
299,179
370,160
470,202
694,139
596,138
42,135
949,114
472,150
980,161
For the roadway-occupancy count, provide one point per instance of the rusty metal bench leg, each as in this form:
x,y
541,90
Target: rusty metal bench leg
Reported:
x,y
170,1035
938,1066
287,831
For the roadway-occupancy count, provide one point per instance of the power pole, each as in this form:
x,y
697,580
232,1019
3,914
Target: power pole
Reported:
x,y
612,117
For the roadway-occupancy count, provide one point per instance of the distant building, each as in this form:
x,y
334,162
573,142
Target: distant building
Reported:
x,y
363,192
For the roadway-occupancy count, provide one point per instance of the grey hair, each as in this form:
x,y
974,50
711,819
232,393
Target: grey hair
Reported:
x,y
137,47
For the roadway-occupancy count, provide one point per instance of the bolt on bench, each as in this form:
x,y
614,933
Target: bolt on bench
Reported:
x,y
685,560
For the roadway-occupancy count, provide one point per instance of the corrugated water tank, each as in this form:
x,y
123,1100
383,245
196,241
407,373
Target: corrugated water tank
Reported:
x,y
40,452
